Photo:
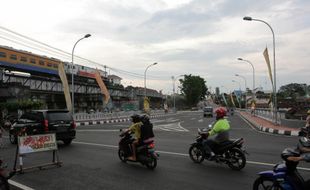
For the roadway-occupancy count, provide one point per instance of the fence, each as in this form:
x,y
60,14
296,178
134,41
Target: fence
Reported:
x,y
108,116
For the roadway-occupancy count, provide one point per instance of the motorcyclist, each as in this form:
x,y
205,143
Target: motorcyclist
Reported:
x,y
135,129
220,129
303,147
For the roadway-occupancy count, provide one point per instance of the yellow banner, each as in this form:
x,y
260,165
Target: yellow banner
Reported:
x,y
63,78
146,105
266,55
102,86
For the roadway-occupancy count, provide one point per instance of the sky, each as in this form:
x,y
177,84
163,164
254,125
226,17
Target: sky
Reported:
x,y
199,37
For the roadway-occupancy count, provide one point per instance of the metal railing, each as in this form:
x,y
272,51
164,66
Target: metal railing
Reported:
x,y
108,116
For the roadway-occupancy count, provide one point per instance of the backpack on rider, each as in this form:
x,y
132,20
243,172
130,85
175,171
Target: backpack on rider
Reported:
x,y
146,129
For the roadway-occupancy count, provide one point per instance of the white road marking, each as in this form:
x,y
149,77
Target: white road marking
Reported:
x,y
181,154
20,186
200,120
97,130
171,127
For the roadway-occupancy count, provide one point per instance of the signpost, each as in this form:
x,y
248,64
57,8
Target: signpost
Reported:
x,y
37,143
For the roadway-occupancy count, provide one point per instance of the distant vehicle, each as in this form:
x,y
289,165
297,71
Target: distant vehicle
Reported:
x,y
207,111
35,122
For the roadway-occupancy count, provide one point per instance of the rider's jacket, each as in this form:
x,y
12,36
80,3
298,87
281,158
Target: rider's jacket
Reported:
x,y
136,129
221,128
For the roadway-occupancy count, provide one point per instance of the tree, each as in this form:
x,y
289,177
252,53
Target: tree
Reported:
x,y
292,91
193,88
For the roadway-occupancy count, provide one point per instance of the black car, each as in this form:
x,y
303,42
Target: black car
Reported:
x,y
35,122
208,111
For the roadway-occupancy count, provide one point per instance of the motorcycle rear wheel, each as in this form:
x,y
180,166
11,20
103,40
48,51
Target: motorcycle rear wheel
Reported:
x,y
152,163
237,159
196,154
121,155
263,183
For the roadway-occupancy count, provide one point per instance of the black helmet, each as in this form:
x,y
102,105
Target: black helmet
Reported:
x,y
288,152
135,118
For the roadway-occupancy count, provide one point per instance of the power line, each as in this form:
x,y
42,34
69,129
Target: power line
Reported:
x,y
39,46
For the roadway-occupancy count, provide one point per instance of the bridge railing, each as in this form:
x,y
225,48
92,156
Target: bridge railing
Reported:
x,y
109,116
268,114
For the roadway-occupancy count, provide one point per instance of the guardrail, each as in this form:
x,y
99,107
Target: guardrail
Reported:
x,y
108,116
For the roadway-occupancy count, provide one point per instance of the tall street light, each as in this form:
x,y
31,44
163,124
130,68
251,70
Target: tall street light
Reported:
x,y
145,78
237,75
72,74
247,18
173,88
253,95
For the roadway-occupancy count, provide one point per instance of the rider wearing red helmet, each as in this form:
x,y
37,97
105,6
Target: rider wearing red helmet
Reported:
x,y
220,129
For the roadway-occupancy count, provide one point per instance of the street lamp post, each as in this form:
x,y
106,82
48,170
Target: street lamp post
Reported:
x,y
72,74
247,18
145,78
173,88
237,75
253,93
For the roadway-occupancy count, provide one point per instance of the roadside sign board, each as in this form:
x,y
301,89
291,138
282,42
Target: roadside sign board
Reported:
x,y
37,143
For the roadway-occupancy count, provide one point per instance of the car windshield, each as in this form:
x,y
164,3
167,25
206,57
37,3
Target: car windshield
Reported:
x,y
58,116
33,116
208,109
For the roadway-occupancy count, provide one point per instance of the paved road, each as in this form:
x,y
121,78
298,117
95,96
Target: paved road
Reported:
x,y
91,162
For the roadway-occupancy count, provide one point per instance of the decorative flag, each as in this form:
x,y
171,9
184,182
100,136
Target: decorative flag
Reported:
x,y
63,78
103,88
266,55
224,98
146,105
232,99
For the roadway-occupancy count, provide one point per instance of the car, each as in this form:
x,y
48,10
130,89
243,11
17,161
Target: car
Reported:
x,y
36,122
208,111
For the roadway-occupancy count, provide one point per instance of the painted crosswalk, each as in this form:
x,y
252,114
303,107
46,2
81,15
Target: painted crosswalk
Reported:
x,y
176,127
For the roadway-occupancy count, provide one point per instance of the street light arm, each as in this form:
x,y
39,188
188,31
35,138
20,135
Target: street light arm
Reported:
x,y
145,77
72,74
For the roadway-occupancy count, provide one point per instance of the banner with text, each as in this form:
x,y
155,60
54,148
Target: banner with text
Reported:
x,y
103,88
36,143
63,78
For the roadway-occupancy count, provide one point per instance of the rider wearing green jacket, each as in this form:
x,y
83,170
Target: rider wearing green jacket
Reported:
x,y
221,130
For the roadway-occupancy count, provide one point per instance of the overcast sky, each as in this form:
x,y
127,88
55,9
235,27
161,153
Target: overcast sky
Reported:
x,y
198,37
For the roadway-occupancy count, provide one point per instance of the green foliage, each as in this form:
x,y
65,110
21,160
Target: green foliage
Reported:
x,y
292,91
193,88
23,105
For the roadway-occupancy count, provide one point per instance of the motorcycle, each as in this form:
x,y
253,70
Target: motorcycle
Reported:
x,y
145,152
230,152
284,176
5,175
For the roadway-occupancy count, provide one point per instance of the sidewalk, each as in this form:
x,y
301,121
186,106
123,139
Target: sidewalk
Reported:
x,y
267,126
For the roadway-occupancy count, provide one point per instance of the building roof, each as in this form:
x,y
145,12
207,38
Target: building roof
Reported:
x,y
114,77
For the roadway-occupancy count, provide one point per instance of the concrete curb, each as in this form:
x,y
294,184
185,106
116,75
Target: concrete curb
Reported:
x,y
270,130
116,120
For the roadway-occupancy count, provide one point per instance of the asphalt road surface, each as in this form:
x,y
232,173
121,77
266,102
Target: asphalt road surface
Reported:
x,y
91,161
